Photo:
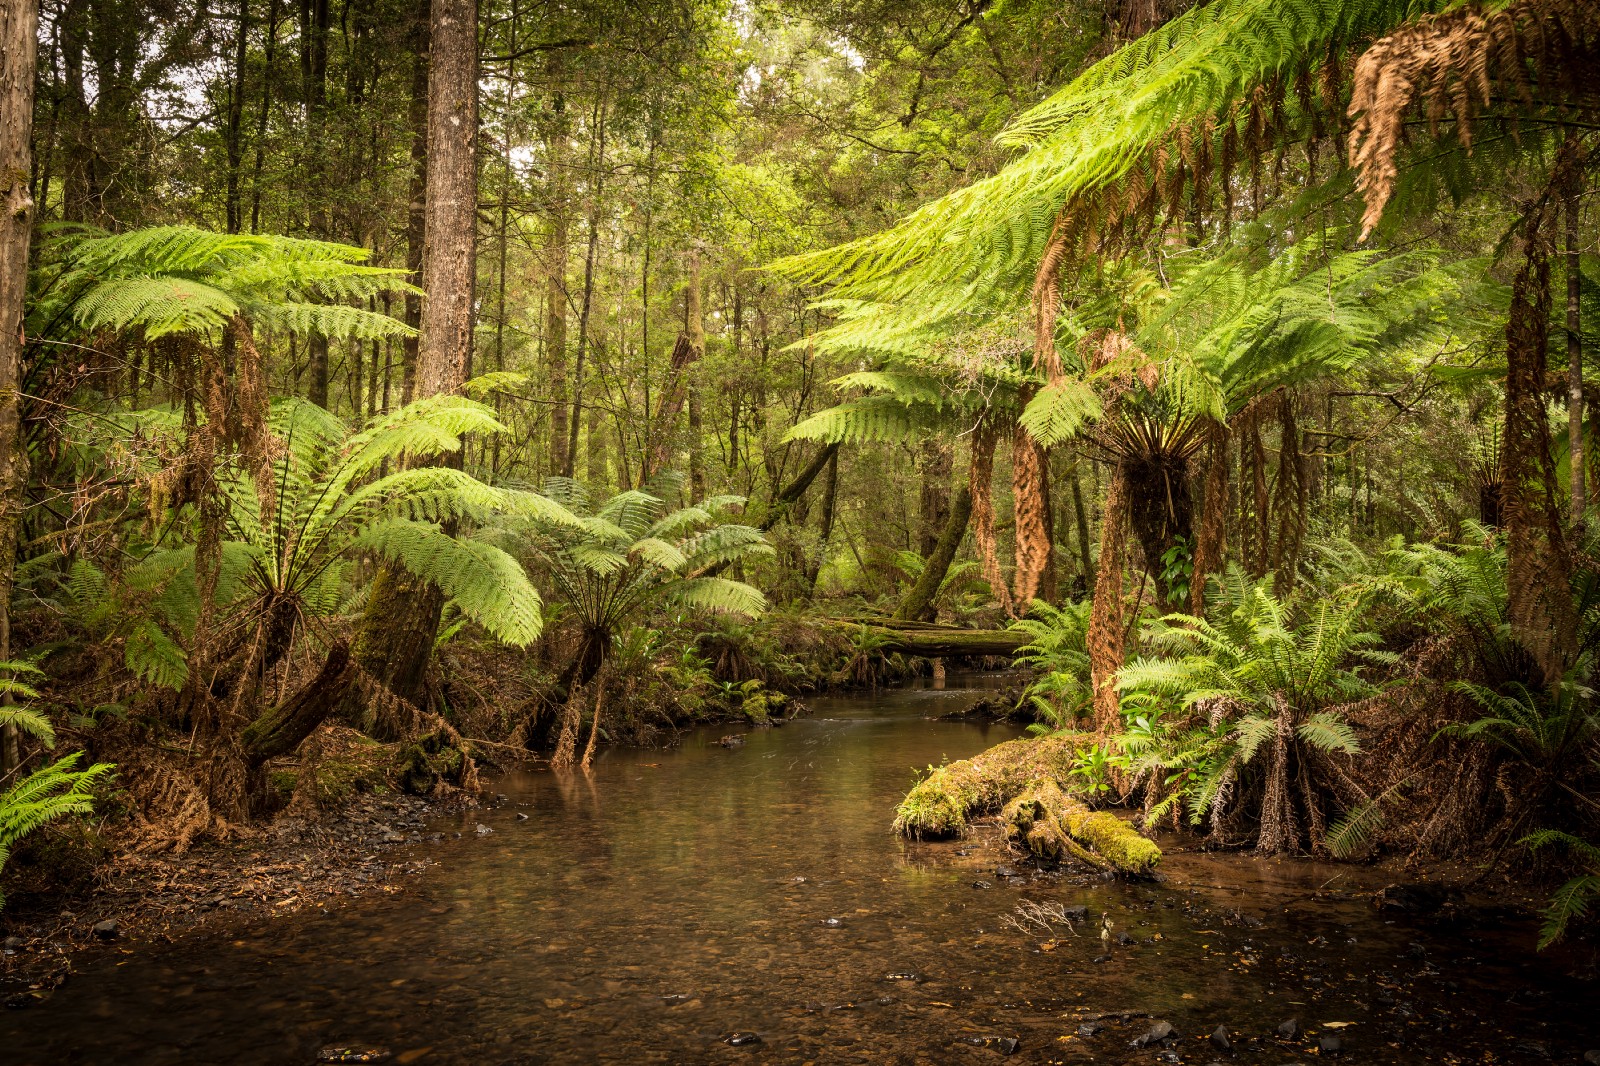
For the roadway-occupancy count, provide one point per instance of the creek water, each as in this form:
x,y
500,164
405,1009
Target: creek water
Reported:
x,y
671,899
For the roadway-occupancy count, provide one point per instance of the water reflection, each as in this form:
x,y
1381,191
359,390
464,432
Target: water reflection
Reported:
x,y
648,912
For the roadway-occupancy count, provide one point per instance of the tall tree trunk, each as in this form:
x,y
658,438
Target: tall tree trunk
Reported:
x,y
235,126
830,500
919,605
19,31
417,203
556,248
597,154
695,327
314,88
1574,355
266,112
402,615
934,509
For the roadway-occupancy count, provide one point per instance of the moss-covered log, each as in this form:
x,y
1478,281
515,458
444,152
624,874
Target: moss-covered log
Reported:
x,y
947,642
1053,824
1027,780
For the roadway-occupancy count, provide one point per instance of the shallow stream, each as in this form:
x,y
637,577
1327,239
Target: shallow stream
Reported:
x,y
654,909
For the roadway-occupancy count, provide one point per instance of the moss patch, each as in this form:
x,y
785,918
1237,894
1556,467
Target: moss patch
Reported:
x,y
1029,779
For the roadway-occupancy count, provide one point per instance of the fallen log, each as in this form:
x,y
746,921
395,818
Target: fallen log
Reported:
x,y
943,642
1029,782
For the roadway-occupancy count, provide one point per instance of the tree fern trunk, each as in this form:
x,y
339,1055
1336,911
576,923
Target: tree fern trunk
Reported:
x,y
1105,637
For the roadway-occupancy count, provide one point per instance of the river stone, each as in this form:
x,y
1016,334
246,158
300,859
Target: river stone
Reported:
x,y
1125,940
1329,1045
1091,1029
1158,1032
981,884
1076,913
1219,1039
1290,1030
484,830
741,1039
522,816
106,930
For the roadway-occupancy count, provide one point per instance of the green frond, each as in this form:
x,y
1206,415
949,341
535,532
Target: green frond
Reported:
x,y
488,585
720,594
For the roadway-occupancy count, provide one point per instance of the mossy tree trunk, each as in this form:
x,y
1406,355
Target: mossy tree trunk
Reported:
x,y
919,602
19,21
402,615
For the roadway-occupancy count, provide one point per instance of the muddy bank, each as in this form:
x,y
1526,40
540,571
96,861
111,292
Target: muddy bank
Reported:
x,y
134,901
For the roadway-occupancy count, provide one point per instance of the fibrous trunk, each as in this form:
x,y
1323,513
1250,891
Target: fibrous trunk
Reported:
x,y
1105,637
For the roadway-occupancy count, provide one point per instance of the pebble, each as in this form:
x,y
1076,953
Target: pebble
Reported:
x,y
1290,1030
484,830
832,923
106,930
741,1039
1219,1039
981,884
1090,1029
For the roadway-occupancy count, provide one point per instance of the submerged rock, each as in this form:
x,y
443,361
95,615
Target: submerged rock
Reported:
x,y
1006,1045
484,830
1154,1035
1289,1030
1088,1029
1219,1039
106,930
1330,1045
732,740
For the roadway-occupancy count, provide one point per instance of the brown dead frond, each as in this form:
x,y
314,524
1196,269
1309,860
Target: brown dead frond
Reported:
x,y
1541,53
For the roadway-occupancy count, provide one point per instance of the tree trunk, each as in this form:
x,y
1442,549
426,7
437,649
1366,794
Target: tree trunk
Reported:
x,y
416,213
555,328
402,615
794,490
280,730
1105,637
19,23
919,602
696,329
597,154
235,124
314,16
934,512
1574,358
830,499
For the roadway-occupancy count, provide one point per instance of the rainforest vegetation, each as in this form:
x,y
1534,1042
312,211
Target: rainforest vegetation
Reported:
x,y
476,384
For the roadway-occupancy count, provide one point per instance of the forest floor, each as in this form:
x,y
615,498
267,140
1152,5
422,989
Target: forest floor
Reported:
x,y
291,865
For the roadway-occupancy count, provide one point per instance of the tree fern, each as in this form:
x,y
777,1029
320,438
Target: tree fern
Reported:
x,y
46,795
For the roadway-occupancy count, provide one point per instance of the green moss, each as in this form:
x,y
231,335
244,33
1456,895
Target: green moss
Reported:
x,y
1030,782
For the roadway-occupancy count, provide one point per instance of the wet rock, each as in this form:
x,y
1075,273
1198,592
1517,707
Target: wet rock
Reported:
x,y
675,998
1006,1045
832,923
522,816
1124,940
741,1039
1289,1030
1329,1045
732,740
353,1054
1154,1035
1076,913
484,830
1414,898
106,930
1089,1029
1591,1058
1220,1040
981,884
1102,958
391,837
1005,871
